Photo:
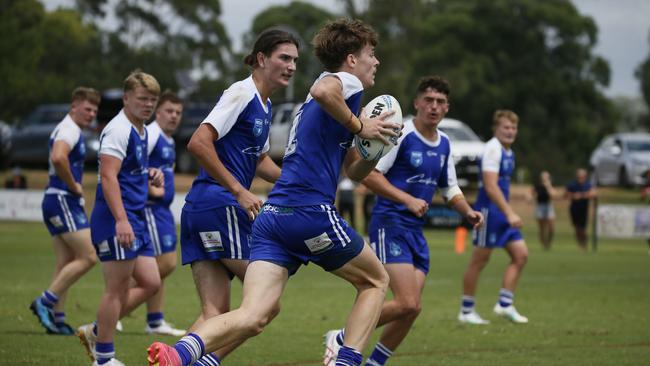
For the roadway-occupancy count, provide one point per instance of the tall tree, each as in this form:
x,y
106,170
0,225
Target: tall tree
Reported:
x,y
169,38
643,74
302,19
45,55
530,56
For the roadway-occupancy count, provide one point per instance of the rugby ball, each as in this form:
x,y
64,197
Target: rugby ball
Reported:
x,y
373,149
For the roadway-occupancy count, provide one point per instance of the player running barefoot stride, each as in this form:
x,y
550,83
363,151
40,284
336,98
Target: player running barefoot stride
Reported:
x,y
501,229
405,181
299,223
63,211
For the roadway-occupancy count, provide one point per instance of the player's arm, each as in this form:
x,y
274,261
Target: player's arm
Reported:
x,y
59,156
267,169
490,183
202,148
109,168
378,183
328,93
156,191
456,200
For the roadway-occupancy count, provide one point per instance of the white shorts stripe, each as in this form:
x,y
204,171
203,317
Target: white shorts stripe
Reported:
x,y
67,215
338,224
482,232
336,231
230,234
382,236
153,230
237,236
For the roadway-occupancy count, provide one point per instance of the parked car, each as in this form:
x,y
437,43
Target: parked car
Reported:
x,y
30,137
283,115
621,159
193,115
5,144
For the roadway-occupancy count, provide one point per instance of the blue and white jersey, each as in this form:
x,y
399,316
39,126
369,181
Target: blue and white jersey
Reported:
x,y
69,132
242,121
121,139
315,151
162,155
418,167
497,159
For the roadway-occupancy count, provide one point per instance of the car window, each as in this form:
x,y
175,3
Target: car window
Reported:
x,y
460,133
636,146
47,115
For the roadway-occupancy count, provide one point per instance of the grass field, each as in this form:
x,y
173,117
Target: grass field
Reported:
x,y
584,309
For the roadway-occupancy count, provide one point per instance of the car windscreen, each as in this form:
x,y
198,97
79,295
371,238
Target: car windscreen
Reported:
x,y
47,115
636,146
460,134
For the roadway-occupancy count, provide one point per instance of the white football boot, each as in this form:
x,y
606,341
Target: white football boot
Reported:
x,y
164,329
472,318
510,313
332,347
88,339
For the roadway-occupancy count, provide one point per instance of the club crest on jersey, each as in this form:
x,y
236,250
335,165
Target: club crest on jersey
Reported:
x,y
416,158
167,152
258,126
82,148
138,152
395,249
442,160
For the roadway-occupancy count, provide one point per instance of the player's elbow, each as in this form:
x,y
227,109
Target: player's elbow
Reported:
x,y
319,92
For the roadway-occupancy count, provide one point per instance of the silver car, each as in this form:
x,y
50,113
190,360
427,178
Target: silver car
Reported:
x,y
621,159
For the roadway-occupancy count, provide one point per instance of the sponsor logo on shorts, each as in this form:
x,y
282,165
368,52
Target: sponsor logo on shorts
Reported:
x,y
167,241
81,218
56,221
103,249
319,244
395,249
211,241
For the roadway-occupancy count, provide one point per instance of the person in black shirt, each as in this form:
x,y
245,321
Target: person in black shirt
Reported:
x,y
580,192
544,212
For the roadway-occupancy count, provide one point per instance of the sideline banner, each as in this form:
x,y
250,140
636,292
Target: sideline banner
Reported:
x,y
25,205
623,221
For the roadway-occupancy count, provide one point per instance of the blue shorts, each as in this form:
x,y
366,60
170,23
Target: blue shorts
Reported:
x,y
496,232
161,229
213,234
102,233
291,236
398,245
63,213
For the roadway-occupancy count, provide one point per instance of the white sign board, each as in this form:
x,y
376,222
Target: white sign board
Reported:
x,y
623,221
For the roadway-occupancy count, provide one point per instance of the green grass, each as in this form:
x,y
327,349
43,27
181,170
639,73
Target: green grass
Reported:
x,y
584,309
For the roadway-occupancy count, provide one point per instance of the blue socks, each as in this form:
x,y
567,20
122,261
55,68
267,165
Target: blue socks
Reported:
x,y
59,318
190,348
379,355
209,359
467,304
506,297
340,336
49,299
105,351
155,319
348,357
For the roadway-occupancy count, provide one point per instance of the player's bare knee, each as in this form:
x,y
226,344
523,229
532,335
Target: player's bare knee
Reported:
x,y
90,260
410,308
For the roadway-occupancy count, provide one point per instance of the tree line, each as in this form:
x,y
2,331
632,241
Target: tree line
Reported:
x,y
534,57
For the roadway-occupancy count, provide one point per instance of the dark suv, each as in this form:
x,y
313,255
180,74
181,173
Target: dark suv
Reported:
x,y
30,137
193,114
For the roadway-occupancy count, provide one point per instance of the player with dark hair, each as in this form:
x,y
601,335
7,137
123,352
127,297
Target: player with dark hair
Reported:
x,y
405,181
299,223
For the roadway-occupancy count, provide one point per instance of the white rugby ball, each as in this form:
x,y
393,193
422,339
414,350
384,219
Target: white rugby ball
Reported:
x,y
373,149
